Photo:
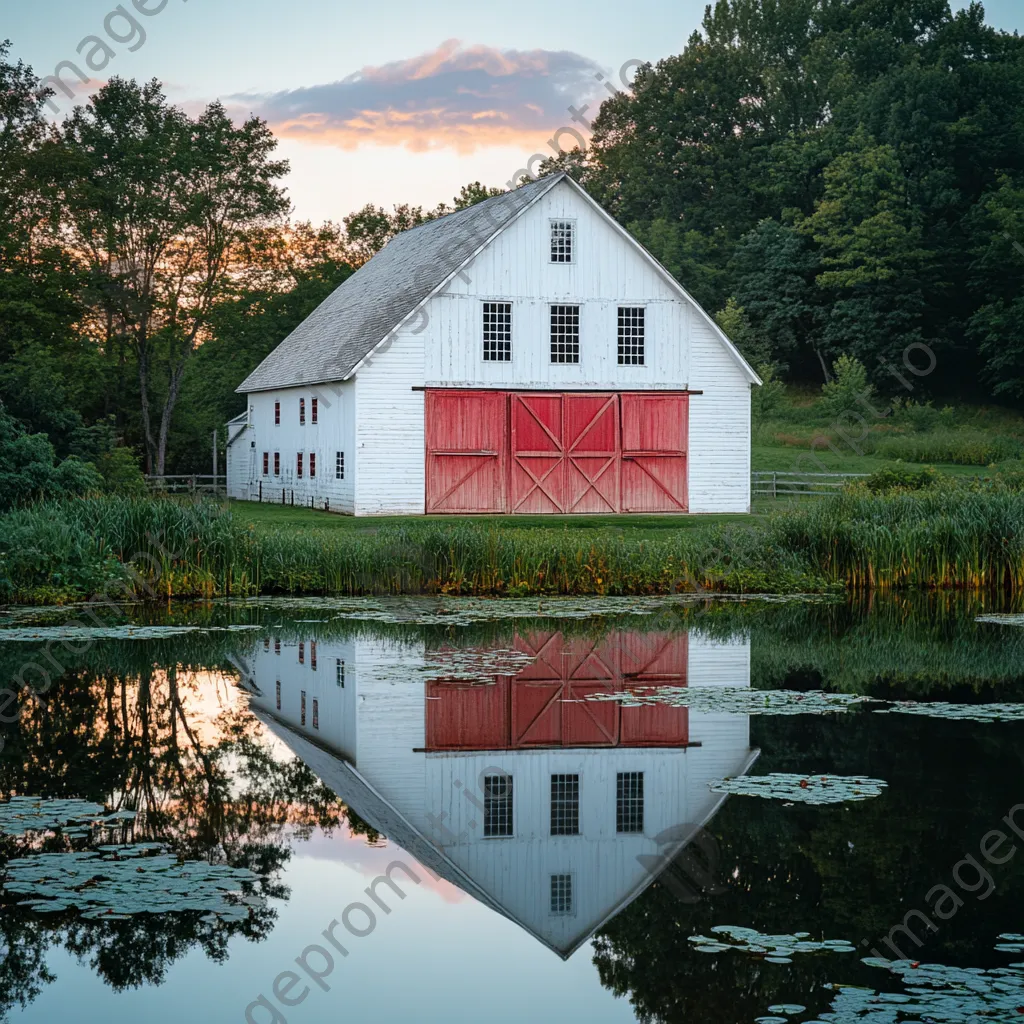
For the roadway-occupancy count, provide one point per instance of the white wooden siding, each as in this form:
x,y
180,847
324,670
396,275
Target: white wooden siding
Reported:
x,y
719,462
605,273
333,432
390,443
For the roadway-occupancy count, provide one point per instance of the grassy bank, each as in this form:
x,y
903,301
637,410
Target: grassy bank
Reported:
x,y
939,537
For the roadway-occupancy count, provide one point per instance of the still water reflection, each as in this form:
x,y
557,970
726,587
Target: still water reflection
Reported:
x,y
461,812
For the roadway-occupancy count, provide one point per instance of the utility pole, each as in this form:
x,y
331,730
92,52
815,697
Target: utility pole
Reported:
x,y
215,462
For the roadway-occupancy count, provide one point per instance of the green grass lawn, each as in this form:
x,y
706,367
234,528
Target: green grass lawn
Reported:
x,y
287,517
804,459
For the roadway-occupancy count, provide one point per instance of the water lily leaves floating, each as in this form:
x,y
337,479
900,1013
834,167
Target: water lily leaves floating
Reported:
x,y
805,789
788,1009
115,882
774,949
740,700
78,633
1000,619
1011,942
952,995
960,712
22,814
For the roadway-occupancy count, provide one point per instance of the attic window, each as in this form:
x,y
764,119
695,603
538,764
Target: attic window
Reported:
x,y
497,332
631,335
563,234
561,894
277,414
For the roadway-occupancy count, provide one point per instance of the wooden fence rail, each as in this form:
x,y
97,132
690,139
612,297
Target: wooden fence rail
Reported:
x,y
191,483
776,484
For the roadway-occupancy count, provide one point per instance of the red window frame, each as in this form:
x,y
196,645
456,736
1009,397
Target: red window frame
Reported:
x,y
302,652
277,414
312,465
302,412
266,463
298,466
312,655
313,410
277,463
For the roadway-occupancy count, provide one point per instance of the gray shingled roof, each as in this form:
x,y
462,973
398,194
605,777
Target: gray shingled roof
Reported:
x,y
362,311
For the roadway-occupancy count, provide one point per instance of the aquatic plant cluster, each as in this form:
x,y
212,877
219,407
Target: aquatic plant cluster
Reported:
x,y
812,789
933,538
774,949
115,882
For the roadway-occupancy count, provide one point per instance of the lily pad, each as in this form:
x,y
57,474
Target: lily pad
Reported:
x,y
113,883
24,814
777,949
739,700
807,789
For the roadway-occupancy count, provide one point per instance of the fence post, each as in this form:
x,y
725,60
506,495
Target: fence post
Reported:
x,y
775,488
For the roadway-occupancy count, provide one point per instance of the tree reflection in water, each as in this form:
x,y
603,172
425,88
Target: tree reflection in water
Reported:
x,y
175,746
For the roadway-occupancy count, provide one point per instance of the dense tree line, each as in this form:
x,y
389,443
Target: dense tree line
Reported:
x,y
830,177
849,172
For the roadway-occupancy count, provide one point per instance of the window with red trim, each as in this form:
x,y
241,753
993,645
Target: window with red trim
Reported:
x,y
302,411
312,465
277,463
266,463
277,414
312,409
298,465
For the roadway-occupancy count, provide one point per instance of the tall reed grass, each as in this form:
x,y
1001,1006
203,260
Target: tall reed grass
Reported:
x,y
165,548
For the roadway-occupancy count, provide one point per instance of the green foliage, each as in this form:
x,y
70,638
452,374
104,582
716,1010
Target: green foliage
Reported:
x,y
120,471
902,478
963,446
848,390
30,470
770,396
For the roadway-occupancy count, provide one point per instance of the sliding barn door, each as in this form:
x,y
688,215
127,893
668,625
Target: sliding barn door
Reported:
x,y
565,453
467,446
654,432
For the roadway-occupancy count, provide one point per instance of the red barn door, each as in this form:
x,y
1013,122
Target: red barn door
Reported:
x,y
654,430
565,452
467,446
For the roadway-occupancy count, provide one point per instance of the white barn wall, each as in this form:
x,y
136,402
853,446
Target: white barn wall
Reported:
x,y
390,445
719,461
333,432
606,273
240,468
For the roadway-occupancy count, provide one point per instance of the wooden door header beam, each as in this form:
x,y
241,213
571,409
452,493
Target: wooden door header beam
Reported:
x,y
560,390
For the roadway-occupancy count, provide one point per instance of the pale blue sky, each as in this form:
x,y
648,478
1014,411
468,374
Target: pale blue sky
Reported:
x,y
239,49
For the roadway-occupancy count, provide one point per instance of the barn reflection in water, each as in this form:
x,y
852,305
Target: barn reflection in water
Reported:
x,y
553,808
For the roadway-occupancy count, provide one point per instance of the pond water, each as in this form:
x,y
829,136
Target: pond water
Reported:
x,y
456,810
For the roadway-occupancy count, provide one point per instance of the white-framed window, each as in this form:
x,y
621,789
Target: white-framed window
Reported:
x,y
565,805
563,241
497,806
497,332
565,334
339,465
631,335
629,802
561,894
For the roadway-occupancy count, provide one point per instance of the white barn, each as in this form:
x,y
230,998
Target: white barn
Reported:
x,y
595,800
524,355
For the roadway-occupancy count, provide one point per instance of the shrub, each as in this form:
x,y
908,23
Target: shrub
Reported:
x,y
120,472
843,394
770,396
902,478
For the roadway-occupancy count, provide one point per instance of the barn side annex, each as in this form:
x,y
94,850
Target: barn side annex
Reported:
x,y
524,355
